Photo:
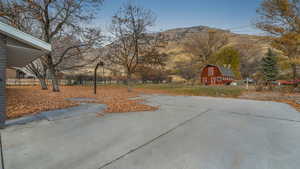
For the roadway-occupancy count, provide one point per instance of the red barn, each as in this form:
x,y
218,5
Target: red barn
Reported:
x,y
216,75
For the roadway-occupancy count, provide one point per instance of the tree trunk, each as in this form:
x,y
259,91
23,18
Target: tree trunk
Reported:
x,y
55,85
54,80
52,72
129,82
43,83
270,86
103,74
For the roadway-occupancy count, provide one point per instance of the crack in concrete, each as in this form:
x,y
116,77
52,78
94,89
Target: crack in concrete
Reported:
x,y
264,117
154,139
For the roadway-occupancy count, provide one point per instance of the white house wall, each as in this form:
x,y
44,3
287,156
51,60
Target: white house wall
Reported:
x,y
3,62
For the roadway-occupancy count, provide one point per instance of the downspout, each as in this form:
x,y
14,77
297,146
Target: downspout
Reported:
x,y
3,64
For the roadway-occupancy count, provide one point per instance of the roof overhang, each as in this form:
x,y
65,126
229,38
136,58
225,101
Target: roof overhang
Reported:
x,y
22,48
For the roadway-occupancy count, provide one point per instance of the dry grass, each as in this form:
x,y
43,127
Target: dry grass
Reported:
x,y
179,89
292,99
31,100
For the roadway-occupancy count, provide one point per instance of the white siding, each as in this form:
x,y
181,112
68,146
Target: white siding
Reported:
x,y
3,62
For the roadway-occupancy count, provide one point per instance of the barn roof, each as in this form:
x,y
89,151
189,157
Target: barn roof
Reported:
x,y
225,71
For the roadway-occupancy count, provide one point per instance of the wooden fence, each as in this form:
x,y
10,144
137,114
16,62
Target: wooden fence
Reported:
x,y
32,82
67,82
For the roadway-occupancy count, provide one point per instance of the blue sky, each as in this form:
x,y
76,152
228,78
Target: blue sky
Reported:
x,y
225,14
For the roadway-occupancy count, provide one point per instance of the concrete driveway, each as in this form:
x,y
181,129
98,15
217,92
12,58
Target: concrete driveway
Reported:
x,y
185,133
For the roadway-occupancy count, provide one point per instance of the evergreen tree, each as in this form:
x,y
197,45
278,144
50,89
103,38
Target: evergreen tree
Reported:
x,y
270,67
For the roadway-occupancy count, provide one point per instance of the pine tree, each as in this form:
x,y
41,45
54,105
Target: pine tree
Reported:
x,y
270,67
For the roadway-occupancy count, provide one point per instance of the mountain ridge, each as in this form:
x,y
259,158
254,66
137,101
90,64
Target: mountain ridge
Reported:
x,y
176,37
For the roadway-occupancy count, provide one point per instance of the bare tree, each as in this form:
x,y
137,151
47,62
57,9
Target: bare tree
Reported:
x,y
133,44
156,74
205,45
188,69
38,69
53,20
248,51
76,51
281,18
289,45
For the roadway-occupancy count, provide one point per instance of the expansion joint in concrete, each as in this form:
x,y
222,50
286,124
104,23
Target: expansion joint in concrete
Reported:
x,y
264,117
154,139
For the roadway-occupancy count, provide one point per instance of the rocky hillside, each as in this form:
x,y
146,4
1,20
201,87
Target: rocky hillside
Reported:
x,y
252,48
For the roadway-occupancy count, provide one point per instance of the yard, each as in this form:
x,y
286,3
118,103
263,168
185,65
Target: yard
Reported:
x,y
283,96
31,100
215,91
28,100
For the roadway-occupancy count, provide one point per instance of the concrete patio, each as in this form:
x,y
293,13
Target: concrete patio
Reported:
x,y
185,133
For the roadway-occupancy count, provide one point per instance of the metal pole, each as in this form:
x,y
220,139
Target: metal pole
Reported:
x,y
95,75
95,78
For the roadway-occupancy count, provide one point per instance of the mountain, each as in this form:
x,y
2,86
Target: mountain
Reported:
x,y
251,47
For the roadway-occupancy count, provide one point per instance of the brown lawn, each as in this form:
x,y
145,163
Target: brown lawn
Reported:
x,y
292,99
31,100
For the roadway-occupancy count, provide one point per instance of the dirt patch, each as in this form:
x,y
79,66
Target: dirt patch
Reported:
x,y
31,100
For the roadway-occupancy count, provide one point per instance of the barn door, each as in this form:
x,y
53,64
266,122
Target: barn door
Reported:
x,y
213,80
